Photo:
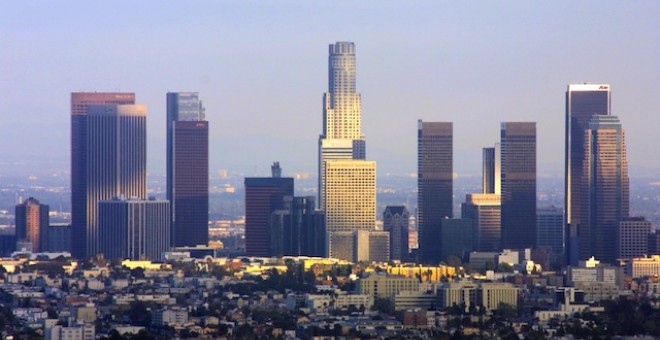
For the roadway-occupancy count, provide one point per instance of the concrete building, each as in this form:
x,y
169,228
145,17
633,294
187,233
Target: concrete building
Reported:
x,y
188,168
434,184
383,286
170,317
406,300
633,235
32,223
644,266
490,295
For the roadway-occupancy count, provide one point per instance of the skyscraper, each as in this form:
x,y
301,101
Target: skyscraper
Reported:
x,y
582,102
263,196
32,224
434,183
342,136
518,162
134,228
605,188
116,159
187,168
485,211
550,231
632,238
350,198
491,170
297,229
79,161
395,221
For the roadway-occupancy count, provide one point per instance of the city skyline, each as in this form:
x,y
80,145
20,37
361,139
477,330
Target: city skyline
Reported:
x,y
405,79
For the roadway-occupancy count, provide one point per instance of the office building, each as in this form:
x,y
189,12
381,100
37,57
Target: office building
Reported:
x,y
59,237
188,168
395,221
518,162
485,212
384,286
79,161
298,229
134,229
491,170
605,188
633,235
644,267
263,196
456,238
350,198
341,138
371,246
117,159
550,231
434,183
32,224
582,102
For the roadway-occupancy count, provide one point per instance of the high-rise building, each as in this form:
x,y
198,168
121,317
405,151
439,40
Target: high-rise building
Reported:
x,y
342,136
263,196
32,224
550,231
491,170
187,168
518,162
79,161
434,183
485,212
116,159
395,221
59,237
457,238
134,229
633,236
350,201
298,229
582,102
605,188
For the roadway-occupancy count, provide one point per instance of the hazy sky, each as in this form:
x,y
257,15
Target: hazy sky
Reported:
x,y
261,69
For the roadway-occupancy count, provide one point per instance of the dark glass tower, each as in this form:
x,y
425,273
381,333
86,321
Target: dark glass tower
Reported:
x,y
187,169
582,102
518,162
605,189
263,196
79,161
434,184
117,160
396,221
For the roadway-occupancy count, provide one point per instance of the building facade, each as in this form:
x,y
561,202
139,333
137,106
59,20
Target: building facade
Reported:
x,y
80,102
550,231
263,196
491,170
434,183
395,221
518,162
582,102
298,229
134,229
117,159
341,138
485,212
633,235
605,188
32,224
187,168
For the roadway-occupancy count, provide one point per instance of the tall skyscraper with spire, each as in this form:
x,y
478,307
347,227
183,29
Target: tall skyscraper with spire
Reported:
x,y
80,101
582,102
342,137
187,168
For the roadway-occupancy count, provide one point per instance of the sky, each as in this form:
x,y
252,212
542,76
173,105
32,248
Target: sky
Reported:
x,y
261,69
